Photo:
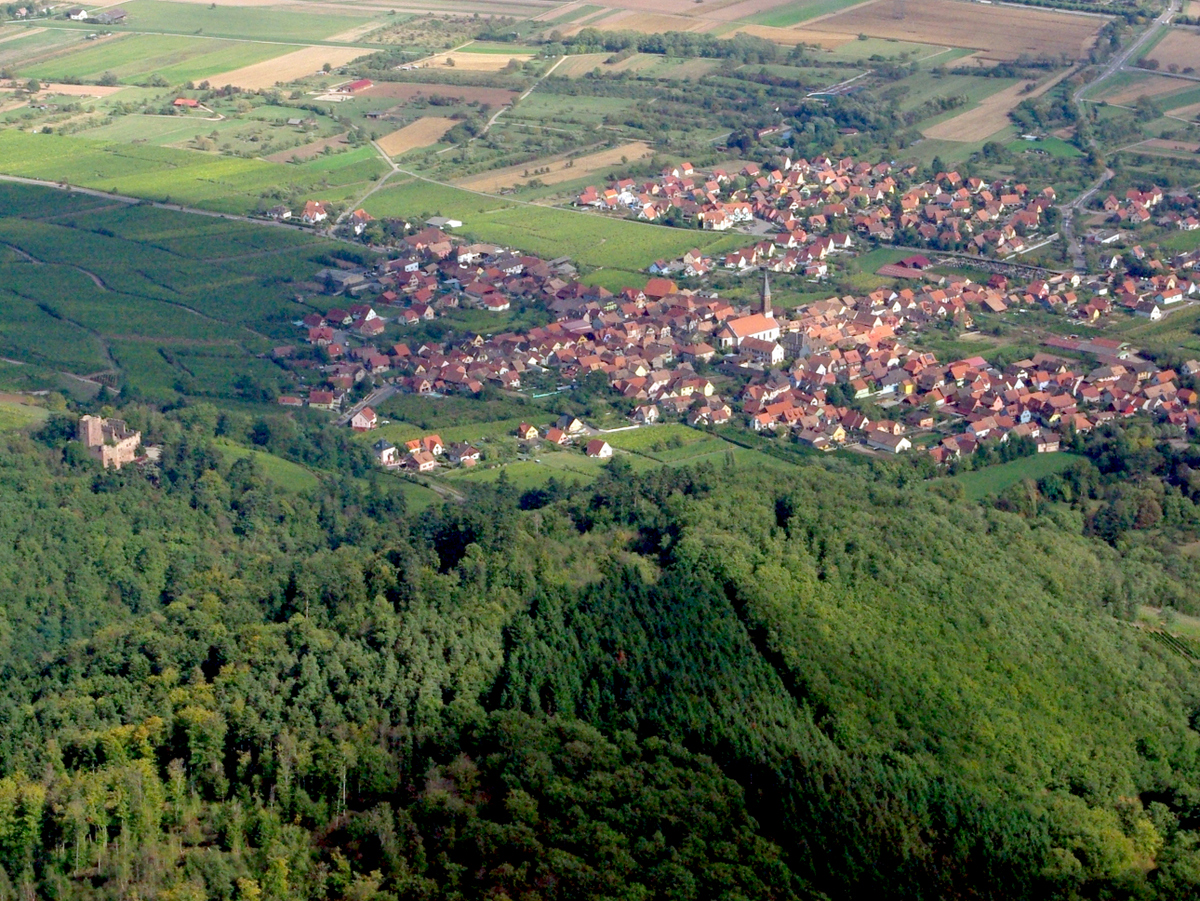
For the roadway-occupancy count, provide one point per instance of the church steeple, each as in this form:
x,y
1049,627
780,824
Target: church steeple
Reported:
x,y
766,296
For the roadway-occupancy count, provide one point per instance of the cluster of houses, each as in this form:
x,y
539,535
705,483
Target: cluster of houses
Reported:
x,y
1179,208
661,347
424,454
955,406
802,199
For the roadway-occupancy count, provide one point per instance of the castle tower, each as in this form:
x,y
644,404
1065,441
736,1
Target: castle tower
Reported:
x,y
766,296
91,431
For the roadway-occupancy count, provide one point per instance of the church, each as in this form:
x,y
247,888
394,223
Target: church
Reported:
x,y
759,326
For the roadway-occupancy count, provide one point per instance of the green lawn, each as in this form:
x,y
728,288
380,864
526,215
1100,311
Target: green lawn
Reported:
x,y
992,480
284,473
135,58
1055,147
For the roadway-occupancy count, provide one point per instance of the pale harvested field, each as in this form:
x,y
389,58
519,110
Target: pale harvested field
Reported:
x,y
499,179
732,10
307,151
1191,111
1179,47
645,23
474,62
407,90
790,37
421,133
74,90
989,117
1003,32
580,65
1191,8
666,7
353,34
288,67
1149,86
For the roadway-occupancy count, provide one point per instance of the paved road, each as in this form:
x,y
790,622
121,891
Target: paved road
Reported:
x,y
1118,62
1068,224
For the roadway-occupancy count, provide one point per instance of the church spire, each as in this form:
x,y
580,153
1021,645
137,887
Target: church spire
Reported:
x,y
766,295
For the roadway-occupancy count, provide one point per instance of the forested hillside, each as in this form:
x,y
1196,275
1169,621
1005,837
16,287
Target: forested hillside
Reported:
x,y
694,683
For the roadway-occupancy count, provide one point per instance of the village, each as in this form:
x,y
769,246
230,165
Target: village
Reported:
x,y
687,355
832,199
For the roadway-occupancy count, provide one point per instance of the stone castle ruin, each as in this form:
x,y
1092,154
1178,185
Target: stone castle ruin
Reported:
x,y
109,440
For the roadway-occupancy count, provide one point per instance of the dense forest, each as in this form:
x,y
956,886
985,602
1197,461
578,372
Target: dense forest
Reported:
x,y
696,683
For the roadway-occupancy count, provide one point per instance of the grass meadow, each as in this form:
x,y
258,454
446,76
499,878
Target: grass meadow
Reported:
x,y
992,480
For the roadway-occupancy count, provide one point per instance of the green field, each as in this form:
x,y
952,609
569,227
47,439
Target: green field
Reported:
x,y
135,58
1055,147
255,23
16,49
225,184
284,473
802,11
590,239
992,480
19,416
175,303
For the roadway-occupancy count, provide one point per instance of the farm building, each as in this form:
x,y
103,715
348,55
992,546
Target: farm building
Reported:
x,y
113,16
186,103
355,86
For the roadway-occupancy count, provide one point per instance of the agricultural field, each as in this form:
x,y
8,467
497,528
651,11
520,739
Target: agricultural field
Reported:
x,y
990,115
1180,48
28,44
781,14
284,473
644,65
409,91
286,68
1000,33
1128,87
257,23
136,58
422,133
170,301
225,184
15,414
593,240
465,61
982,483
561,168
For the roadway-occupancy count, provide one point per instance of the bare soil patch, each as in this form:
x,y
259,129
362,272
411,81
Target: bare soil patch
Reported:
x,y
286,68
1180,48
354,34
561,168
421,133
496,97
989,117
307,151
1003,33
